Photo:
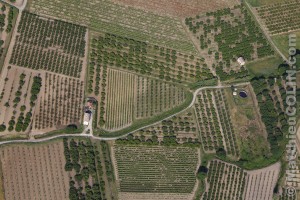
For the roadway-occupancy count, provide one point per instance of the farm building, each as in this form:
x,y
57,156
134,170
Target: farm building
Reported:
x,y
241,61
86,118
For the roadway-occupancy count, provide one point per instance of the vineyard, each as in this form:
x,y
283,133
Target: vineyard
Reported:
x,y
215,123
123,97
109,50
227,181
18,98
34,172
179,8
120,100
224,36
107,16
50,45
261,183
142,169
59,104
280,17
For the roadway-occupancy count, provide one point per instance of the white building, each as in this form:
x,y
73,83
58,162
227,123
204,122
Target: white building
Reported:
x,y
86,119
241,61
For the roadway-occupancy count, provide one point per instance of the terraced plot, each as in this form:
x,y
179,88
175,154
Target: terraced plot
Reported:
x,y
104,15
34,172
51,45
142,169
280,17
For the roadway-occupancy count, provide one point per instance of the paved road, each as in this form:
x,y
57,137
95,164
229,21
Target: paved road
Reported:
x,y
90,134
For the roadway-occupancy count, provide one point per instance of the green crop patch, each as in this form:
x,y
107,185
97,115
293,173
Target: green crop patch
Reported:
x,y
156,169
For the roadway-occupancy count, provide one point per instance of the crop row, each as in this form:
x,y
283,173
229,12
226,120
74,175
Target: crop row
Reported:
x,y
225,181
208,121
48,44
107,16
156,169
60,103
216,129
132,55
154,97
281,17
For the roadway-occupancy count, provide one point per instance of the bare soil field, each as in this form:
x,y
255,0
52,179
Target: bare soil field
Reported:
x,y
179,8
34,172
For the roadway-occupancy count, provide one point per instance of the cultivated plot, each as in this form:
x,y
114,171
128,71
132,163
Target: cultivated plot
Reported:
x,y
50,45
125,98
155,170
108,50
215,123
280,17
59,104
179,8
107,16
227,181
34,172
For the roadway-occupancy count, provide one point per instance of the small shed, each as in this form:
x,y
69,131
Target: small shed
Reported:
x,y
241,61
86,118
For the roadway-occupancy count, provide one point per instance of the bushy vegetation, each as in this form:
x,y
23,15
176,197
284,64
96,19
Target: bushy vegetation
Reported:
x,y
226,35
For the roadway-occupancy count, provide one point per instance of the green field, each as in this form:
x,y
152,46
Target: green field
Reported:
x,y
282,42
156,169
265,66
257,3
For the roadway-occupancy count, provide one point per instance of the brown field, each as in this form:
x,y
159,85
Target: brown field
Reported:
x,y
260,183
178,8
34,172
60,103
